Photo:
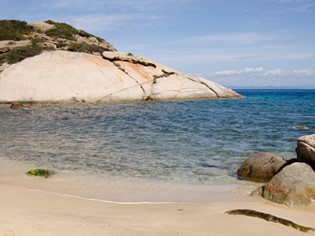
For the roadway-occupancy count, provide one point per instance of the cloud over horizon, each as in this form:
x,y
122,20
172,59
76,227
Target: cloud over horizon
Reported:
x,y
260,71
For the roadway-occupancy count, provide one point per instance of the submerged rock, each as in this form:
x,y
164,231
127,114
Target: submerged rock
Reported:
x,y
301,127
261,167
16,105
306,150
61,76
293,186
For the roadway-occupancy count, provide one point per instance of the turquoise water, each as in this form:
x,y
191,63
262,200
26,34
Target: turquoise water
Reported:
x,y
194,142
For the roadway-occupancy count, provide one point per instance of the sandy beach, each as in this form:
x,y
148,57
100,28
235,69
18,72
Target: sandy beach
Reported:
x,y
27,212
32,210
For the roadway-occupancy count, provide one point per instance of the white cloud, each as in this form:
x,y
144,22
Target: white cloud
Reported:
x,y
298,6
246,71
305,72
261,72
274,72
235,38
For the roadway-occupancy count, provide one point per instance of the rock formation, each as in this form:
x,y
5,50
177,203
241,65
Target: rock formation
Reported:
x,y
261,167
290,182
54,62
306,149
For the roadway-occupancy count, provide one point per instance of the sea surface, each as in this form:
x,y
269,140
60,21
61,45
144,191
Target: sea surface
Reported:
x,y
180,142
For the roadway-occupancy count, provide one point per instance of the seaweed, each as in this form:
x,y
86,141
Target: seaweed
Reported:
x,y
269,217
40,172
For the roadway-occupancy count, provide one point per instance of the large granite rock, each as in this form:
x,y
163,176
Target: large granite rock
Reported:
x,y
293,186
60,76
261,167
306,150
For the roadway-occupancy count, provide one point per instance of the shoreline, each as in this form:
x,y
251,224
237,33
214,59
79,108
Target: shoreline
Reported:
x,y
119,189
27,212
30,211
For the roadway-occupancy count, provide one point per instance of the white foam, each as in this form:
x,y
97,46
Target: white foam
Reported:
x,y
100,200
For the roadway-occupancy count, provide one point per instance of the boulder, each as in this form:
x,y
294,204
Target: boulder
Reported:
x,y
293,186
306,150
261,167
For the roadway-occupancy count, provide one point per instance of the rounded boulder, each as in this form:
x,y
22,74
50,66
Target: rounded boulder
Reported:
x,y
293,186
306,150
261,167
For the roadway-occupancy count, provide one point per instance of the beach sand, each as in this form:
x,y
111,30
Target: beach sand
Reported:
x,y
26,210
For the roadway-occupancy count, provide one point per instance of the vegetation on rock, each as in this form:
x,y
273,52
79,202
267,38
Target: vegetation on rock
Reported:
x,y
60,37
65,31
20,53
165,74
14,30
85,47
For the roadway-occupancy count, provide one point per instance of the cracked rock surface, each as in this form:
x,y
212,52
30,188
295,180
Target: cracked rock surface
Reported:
x,y
62,76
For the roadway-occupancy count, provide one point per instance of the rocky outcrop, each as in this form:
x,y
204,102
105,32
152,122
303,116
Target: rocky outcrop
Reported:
x,y
59,76
306,150
293,186
54,62
261,167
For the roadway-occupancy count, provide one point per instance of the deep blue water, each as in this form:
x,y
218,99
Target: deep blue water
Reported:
x,y
181,142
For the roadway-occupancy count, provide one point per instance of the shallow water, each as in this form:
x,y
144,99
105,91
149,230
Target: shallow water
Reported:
x,y
182,142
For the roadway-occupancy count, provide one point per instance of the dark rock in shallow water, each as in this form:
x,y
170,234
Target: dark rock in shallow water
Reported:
x,y
16,105
306,150
294,186
261,167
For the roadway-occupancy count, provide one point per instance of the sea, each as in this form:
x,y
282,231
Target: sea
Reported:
x,y
200,142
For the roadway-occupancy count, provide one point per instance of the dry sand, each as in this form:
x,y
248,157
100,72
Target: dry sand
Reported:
x,y
25,211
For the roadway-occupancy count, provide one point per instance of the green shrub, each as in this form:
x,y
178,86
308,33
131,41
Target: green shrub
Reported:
x,y
61,30
84,47
66,31
37,40
40,172
14,30
19,54
82,33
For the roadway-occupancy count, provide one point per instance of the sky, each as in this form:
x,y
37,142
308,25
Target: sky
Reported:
x,y
237,43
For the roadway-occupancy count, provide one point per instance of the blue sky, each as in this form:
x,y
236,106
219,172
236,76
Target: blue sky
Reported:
x,y
234,42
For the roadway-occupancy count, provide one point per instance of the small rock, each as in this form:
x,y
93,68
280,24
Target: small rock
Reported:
x,y
261,167
4,50
293,186
306,150
16,105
